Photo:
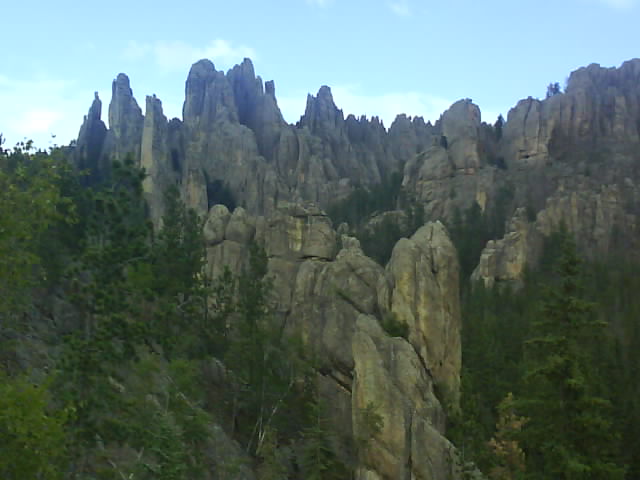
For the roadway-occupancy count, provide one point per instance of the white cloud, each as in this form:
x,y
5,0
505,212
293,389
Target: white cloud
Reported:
x,y
37,121
386,106
178,55
39,108
400,8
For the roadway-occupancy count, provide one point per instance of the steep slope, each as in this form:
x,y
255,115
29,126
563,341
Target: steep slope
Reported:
x,y
337,299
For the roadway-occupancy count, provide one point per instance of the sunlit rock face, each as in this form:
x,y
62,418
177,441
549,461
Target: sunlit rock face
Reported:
x,y
335,298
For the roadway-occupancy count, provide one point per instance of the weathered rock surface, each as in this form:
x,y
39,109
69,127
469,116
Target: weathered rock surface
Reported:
x,y
601,219
125,121
461,129
335,300
88,154
390,375
422,291
453,170
598,113
156,158
233,134
505,260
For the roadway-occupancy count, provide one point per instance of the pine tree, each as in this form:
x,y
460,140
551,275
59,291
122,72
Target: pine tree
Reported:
x,y
317,458
569,434
33,440
260,356
504,445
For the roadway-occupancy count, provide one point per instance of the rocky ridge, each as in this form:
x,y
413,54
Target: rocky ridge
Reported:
x,y
571,159
232,132
336,298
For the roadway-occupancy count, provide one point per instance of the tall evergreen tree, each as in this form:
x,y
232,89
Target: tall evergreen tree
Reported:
x,y
569,434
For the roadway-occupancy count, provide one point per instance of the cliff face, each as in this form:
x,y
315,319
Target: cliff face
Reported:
x,y
575,158
233,133
601,218
336,298
596,116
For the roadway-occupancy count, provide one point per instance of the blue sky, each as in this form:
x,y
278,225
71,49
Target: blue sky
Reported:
x,y
380,57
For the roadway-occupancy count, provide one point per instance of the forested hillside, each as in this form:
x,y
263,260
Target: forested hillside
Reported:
x,y
118,352
229,296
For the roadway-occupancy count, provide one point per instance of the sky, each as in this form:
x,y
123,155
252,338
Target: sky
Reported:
x,y
380,57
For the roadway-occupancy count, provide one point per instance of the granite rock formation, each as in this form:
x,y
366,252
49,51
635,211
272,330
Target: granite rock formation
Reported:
x,y
335,297
571,159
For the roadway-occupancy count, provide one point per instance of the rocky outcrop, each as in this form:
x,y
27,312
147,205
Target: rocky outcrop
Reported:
x,y
233,138
602,219
454,170
390,377
125,121
335,297
88,154
571,159
460,126
422,291
233,134
504,261
597,114
345,155
257,107
408,137
156,158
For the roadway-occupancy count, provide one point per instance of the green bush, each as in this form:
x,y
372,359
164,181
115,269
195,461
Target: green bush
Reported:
x,y
395,327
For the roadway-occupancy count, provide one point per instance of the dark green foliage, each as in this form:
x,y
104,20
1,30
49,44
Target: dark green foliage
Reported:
x,y
179,251
318,460
553,89
395,327
32,437
498,323
370,424
31,202
362,202
262,358
569,433
469,233
471,230
378,238
141,322
378,242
